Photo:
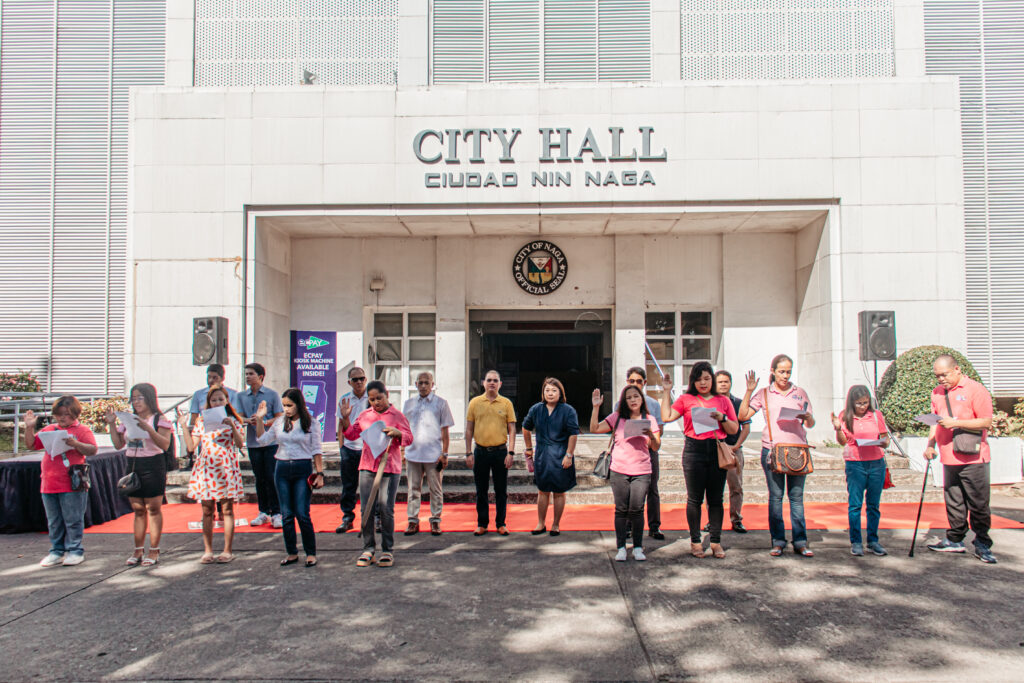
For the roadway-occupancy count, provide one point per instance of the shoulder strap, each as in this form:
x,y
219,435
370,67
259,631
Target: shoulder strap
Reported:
x,y
767,417
949,406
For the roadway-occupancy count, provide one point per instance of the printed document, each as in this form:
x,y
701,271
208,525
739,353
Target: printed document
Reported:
x,y
702,420
374,437
133,432
53,442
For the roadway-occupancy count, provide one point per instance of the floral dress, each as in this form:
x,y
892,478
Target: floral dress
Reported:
x,y
215,474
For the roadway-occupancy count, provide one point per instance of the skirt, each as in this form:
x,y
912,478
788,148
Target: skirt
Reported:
x,y
548,473
152,474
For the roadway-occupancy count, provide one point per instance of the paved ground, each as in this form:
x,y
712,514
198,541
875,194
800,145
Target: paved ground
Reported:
x,y
459,607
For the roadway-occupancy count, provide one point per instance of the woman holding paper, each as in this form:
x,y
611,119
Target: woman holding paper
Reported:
x,y
146,434
707,417
216,476
299,439
631,466
788,416
66,443
556,426
861,429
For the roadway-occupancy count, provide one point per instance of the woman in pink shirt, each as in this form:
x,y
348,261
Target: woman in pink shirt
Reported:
x,y
715,418
781,393
865,464
631,465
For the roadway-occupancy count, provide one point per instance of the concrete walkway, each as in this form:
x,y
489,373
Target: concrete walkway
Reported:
x,y
521,607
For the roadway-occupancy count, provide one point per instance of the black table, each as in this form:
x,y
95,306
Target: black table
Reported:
x,y
21,504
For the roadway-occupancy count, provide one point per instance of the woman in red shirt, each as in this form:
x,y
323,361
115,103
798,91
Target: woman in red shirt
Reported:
x,y
704,478
865,464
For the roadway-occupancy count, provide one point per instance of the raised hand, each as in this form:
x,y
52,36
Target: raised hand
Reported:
x,y
836,422
346,408
182,419
261,411
110,417
597,398
752,381
666,383
30,419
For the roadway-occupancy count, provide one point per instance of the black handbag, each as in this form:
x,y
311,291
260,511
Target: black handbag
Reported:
x,y
603,466
130,484
966,441
79,475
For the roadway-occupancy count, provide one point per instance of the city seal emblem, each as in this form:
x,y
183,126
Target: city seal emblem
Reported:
x,y
540,267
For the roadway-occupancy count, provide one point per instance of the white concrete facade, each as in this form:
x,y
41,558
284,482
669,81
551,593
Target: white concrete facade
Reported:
x,y
783,208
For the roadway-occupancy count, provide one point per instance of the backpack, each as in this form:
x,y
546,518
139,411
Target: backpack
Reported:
x,y
170,460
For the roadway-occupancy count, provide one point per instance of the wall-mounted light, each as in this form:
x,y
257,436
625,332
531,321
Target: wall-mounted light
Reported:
x,y
377,283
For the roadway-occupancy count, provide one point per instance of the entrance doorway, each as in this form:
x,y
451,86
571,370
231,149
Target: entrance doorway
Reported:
x,y
528,346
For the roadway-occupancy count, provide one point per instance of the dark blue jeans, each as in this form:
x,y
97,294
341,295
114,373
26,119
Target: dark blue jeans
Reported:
x,y
861,476
349,465
65,517
263,463
778,486
294,493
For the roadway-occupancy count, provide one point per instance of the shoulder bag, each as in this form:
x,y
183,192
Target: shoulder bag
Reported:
x,y
603,466
79,474
966,441
887,484
726,458
793,459
170,461
130,484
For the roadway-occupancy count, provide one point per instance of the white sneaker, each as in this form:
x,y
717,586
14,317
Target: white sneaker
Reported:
x,y
277,522
52,560
638,554
259,520
71,559
621,555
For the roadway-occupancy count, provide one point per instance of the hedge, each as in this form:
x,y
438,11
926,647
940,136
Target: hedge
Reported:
x,y
906,387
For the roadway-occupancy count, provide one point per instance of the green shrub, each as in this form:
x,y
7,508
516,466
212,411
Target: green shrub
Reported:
x,y
906,387
93,412
21,381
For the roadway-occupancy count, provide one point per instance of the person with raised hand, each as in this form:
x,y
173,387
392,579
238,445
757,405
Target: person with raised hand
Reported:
x,y
216,477
147,461
865,464
556,427
631,464
300,450
704,478
65,506
781,393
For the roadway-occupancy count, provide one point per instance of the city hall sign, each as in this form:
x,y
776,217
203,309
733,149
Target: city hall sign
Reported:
x,y
557,146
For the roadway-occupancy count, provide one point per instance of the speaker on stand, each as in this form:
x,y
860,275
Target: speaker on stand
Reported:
x,y
877,335
209,340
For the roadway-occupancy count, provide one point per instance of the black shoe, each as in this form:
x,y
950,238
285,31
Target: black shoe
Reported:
x,y
739,528
345,527
656,535
707,527
983,553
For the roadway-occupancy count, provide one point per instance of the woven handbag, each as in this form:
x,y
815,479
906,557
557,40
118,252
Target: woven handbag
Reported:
x,y
793,459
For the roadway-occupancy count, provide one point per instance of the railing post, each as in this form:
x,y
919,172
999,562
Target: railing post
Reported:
x,y
17,425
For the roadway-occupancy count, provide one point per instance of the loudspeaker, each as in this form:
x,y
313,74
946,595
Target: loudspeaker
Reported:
x,y
877,335
209,341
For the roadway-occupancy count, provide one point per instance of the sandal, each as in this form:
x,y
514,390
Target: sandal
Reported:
x,y
386,560
289,560
134,559
150,561
776,551
804,550
717,550
365,560
480,531
311,560
207,558
696,549
503,531
225,558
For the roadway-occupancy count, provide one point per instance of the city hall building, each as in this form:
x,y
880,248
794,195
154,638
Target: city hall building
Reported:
x,y
563,188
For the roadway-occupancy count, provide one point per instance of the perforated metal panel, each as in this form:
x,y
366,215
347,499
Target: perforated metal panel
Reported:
x,y
983,44
785,39
272,42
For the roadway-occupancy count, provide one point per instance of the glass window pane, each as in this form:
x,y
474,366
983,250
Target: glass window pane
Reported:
x,y
654,379
389,349
660,323
387,324
697,349
391,375
695,323
421,349
415,370
663,349
421,324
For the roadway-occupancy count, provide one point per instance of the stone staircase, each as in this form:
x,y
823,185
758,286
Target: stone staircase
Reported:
x,y
827,484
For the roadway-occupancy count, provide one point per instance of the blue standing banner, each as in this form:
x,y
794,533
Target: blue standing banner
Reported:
x,y
314,372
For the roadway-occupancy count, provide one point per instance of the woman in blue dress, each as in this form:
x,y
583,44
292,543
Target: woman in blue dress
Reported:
x,y
556,426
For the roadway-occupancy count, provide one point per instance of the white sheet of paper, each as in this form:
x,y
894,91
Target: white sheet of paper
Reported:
x,y
929,419
790,413
636,428
53,442
132,430
374,437
702,420
869,442
214,418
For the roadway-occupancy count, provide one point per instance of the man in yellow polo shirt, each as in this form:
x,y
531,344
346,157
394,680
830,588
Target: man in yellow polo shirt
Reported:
x,y
491,422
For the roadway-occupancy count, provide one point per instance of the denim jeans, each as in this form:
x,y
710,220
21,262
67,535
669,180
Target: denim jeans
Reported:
x,y
65,517
294,493
263,464
779,485
861,476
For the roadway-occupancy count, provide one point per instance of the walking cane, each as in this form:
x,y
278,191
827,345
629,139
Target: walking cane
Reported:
x,y
920,505
371,502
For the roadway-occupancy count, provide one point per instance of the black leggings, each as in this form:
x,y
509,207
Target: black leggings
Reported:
x,y
703,478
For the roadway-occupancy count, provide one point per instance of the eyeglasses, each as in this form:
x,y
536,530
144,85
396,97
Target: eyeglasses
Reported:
x,y
357,379
492,380
638,382
423,383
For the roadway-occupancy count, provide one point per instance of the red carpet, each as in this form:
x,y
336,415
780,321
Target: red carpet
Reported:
x,y
462,517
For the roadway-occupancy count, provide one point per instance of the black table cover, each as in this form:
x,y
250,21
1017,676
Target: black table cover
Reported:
x,y
21,504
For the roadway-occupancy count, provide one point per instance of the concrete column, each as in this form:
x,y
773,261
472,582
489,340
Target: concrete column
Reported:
x,y
665,57
179,45
450,291
413,36
629,307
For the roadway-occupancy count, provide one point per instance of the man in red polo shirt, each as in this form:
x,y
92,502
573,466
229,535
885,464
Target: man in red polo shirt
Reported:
x,y
963,404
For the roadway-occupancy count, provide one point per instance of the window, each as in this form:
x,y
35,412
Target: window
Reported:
x,y
403,347
677,340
